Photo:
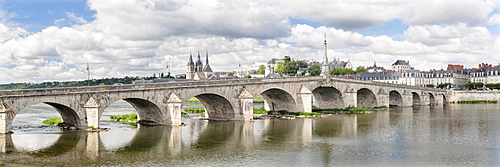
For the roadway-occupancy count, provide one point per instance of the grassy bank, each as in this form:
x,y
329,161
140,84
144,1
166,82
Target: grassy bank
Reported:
x,y
52,121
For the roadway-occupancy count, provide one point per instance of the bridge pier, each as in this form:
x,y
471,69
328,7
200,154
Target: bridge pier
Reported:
x,y
246,104
6,144
407,99
350,99
174,109
304,100
425,99
92,110
382,98
5,122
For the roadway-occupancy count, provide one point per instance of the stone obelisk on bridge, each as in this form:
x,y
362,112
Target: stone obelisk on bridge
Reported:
x,y
325,68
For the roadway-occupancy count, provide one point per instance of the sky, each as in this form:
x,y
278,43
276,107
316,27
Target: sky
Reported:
x,y
54,40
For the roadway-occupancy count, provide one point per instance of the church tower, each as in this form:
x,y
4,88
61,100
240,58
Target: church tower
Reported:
x,y
325,68
207,69
199,64
191,68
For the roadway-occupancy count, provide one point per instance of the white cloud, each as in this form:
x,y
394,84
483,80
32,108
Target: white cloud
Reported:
x,y
138,38
494,20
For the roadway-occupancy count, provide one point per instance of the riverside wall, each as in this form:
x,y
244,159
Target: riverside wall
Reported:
x,y
475,95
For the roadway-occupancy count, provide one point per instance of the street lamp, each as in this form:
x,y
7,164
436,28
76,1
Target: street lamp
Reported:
x,y
88,75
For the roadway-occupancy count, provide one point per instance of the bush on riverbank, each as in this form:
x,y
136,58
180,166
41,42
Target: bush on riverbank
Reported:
x,y
474,102
52,121
194,110
260,111
128,117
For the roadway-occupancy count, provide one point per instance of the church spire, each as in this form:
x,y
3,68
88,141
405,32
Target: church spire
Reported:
x,y
207,56
325,68
190,62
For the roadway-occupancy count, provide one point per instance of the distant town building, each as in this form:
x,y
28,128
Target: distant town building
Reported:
x,y
401,65
271,66
403,73
336,63
375,68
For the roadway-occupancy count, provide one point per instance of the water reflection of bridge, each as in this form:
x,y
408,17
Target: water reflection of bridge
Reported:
x,y
200,137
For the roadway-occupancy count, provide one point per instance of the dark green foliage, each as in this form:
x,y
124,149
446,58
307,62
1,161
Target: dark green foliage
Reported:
x,y
429,85
445,85
474,85
314,70
194,110
493,85
184,113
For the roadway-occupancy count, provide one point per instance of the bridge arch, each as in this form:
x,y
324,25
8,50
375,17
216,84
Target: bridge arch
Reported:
x,y
445,100
366,98
415,98
395,98
146,110
217,106
327,97
278,99
432,99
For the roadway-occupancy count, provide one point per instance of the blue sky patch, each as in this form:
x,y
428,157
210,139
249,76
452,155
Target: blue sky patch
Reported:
x,y
394,29
35,15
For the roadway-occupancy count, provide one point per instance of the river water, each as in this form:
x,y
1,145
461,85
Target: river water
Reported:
x,y
454,135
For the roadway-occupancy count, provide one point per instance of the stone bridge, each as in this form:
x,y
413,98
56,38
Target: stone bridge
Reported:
x,y
162,103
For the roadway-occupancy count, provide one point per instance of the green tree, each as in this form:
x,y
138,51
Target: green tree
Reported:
x,y
287,59
247,76
279,68
314,70
361,69
290,68
342,71
444,85
230,74
301,64
262,69
474,85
